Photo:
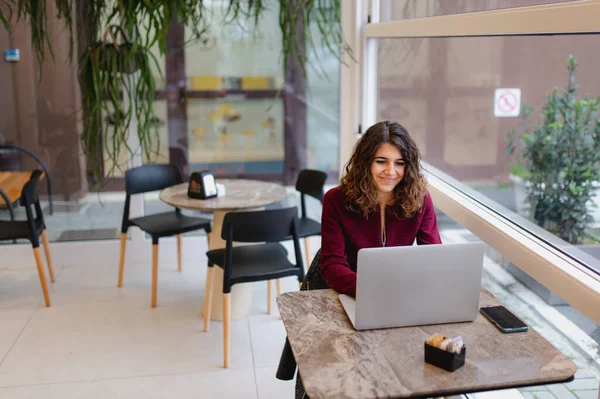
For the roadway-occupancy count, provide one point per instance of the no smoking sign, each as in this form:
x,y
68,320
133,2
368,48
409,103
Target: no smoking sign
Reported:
x,y
507,102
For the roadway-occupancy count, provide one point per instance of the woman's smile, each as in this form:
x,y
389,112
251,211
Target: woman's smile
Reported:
x,y
389,179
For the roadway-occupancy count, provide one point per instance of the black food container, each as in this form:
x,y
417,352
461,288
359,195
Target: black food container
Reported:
x,y
447,360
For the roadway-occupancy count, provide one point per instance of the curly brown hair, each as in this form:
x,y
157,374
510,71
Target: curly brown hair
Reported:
x,y
357,184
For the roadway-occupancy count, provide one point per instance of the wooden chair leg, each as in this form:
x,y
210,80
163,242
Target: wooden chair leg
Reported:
x,y
208,239
307,252
179,251
48,255
122,259
270,297
208,298
40,266
154,273
226,329
279,286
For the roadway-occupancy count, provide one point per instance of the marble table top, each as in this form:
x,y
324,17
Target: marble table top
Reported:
x,y
336,361
239,194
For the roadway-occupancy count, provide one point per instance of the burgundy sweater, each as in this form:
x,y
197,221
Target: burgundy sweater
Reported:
x,y
344,233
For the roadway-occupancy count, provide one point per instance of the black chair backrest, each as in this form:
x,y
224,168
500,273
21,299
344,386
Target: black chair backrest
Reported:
x,y
311,182
29,194
151,178
29,197
260,226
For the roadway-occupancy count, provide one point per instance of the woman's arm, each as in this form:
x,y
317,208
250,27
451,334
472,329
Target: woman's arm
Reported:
x,y
428,230
335,268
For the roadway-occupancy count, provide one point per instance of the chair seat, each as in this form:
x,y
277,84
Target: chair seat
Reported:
x,y
256,262
17,229
170,223
308,227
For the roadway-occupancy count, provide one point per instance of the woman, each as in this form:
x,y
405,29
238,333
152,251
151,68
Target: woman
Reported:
x,y
382,201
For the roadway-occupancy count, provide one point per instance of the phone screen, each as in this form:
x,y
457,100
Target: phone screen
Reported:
x,y
503,319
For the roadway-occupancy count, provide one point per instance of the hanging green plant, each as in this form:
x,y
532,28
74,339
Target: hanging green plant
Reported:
x,y
116,80
126,56
116,77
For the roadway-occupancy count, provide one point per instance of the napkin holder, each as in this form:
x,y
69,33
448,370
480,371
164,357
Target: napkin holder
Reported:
x,y
202,185
446,360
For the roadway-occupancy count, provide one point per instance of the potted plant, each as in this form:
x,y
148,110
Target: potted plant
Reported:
x,y
558,164
559,161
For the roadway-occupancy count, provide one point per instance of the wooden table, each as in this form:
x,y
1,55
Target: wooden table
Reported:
x,y
12,183
240,195
336,361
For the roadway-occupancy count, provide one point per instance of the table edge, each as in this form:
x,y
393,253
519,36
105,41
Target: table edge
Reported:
x,y
495,388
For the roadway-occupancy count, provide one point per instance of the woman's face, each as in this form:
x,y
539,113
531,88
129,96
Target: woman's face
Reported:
x,y
387,168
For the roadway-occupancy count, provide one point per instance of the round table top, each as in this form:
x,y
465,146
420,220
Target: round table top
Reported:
x,y
239,194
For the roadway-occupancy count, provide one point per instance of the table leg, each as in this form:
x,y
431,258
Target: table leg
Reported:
x,y
241,294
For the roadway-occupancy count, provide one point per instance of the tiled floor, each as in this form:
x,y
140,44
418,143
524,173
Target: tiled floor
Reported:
x,y
97,341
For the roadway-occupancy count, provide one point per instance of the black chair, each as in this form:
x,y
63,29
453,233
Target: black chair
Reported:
x,y
148,178
31,229
249,263
12,147
309,182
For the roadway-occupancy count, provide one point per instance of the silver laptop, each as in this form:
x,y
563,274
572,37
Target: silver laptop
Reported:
x,y
416,285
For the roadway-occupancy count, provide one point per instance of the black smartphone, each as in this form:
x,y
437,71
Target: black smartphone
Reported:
x,y
503,319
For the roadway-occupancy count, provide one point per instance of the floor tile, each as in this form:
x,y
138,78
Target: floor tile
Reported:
x,y
223,384
270,387
267,331
114,339
587,394
268,337
98,282
538,395
535,388
583,383
501,394
561,391
583,373
21,288
13,323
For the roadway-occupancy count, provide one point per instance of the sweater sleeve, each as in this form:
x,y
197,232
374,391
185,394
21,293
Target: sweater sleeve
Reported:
x,y
335,268
428,230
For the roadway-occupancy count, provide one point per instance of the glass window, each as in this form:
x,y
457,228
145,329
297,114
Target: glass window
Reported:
x,y
235,82
323,114
448,93
235,116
